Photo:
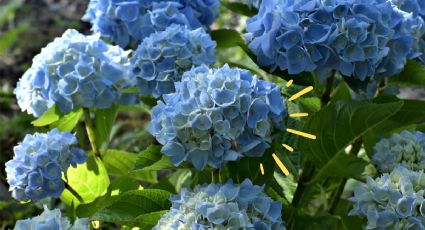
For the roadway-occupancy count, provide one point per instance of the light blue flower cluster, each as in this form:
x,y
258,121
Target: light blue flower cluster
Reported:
x,y
75,71
35,171
359,38
52,219
217,115
128,22
406,149
223,206
417,8
393,201
161,59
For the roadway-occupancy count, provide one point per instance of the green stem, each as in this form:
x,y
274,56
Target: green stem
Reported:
x,y
73,192
308,168
308,171
90,132
326,96
336,196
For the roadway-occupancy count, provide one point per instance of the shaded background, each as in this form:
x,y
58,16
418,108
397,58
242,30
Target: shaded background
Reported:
x,y
25,27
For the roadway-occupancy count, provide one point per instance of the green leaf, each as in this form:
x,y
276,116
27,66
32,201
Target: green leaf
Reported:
x,y
318,222
249,167
117,187
174,182
341,92
130,205
117,162
103,122
11,36
240,8
227,38
413,74
121,163
309,104
90,180
68,122
50,116
8,10
152,160
337,126
149,220
411,113
288,185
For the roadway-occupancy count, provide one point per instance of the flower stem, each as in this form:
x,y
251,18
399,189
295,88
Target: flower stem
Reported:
x,y
326,96
308,172
308,168
73,192
336,195
90,132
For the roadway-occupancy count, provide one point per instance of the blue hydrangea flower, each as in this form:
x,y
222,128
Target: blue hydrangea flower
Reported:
x,y
358,38
52,219
217,115
35,171
128,22
406,149
75,71
393,201
417,8
223,206
163,57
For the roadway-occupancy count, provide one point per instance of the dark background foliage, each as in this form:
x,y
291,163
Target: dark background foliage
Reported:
x,y
25,27
28,25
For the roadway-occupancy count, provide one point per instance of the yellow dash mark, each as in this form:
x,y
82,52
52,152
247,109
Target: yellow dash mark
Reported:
x,y
306,135
302,92
281,165
298,115
289,83
287,147
262,169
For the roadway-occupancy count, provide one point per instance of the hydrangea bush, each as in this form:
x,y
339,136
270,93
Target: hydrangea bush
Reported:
x,y
393,201
217,115
75,71
52,219
223,206
406,149
35,172
162,58
357,38
129,22
264,122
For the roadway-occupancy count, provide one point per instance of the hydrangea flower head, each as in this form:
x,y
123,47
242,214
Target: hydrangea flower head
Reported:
x,y
359,38
223,206
128,22
393,201
52,219
417,10
161,59
36,169
217,115
406,149
74,71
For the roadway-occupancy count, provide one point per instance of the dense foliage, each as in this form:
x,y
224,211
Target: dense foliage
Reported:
x,y
288,116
